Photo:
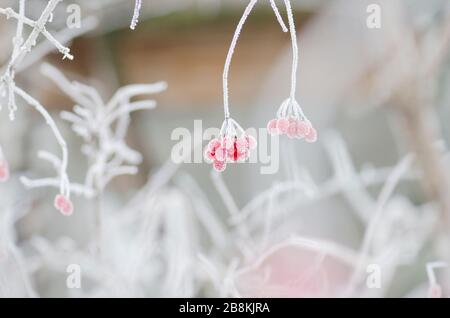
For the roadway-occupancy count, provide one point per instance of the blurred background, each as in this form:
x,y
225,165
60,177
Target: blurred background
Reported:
x,y
373,191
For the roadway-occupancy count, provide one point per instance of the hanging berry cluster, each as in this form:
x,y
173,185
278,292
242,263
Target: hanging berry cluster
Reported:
x,y
63,205
290,119
233,144
292,122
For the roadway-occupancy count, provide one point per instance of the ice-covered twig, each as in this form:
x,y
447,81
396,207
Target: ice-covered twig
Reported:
x,y
205,212
137,9
21,48
10,251
293,33
234,41
103,127
406,95
56,163
64,184
345,172
75,188
95,120
124,94
363,179
435,290
243,240
391,183
290,119
278,16
64,37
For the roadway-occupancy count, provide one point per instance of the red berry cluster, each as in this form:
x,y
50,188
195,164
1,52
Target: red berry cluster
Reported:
x,y
63,205
293,128
226,149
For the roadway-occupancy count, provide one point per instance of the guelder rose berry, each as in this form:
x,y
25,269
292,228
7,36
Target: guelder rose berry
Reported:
x,y
219,165
214,144
292,127
291,121
282,125
63,205
231,148
272,127
302,129
311,136
211,149
4,171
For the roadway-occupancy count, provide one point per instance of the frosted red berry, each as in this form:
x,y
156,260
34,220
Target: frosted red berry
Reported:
x,y
228,149
4,171
63,205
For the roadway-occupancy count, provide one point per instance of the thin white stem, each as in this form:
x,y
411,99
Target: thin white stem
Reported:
x,y
125,93
64,36
430,271
64,84
51,158
98,224
226,70
76,188
137,9
278,15
38,29
129,108
65,51
22,48
10,13
18,40
244,242
64,184
400,169
236,35
300,111
237,126
294,48
228,199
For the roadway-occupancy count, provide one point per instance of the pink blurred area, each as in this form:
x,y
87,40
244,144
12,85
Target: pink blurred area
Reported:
x,y
295,272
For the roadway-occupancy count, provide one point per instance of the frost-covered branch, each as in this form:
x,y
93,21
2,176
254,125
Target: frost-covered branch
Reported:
x,y
405,93
103,128
95,122
137,10
49,120
21,48
56,163
435,289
